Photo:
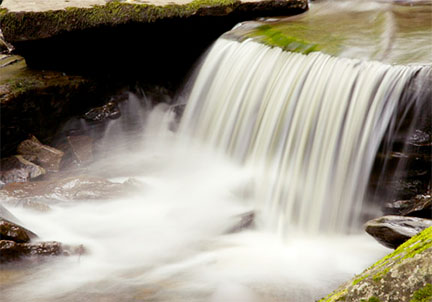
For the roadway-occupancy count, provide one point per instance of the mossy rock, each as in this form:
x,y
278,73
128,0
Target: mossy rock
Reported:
x,y
21,26
37,102
404,275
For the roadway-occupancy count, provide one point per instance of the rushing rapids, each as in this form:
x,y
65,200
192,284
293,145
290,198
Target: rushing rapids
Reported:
x,y
311,125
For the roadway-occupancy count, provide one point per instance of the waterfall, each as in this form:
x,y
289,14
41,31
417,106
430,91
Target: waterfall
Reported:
x,y
309,125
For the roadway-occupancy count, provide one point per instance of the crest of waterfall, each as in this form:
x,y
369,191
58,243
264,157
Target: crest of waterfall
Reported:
x,y
309,125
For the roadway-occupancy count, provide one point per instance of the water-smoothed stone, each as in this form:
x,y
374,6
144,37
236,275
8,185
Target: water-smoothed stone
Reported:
x,y
405,275
83,187
391,231
43,155
12,251
418,206
18,169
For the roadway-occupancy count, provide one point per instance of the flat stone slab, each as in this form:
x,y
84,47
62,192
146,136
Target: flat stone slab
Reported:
x,y
22,20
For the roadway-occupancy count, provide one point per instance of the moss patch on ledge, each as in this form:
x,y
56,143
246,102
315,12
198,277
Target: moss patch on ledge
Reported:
x,y
272,37
404,275
22,26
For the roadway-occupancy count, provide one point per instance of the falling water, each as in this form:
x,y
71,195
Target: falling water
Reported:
x,y
311,125
287,136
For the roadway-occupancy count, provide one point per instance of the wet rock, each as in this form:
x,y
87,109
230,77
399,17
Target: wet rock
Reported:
x,y
39,101
420,138
107,111
43,155
18,169
418,206
81,187
392,231
245,221
12,251
404,275
14,232
81,147
178,111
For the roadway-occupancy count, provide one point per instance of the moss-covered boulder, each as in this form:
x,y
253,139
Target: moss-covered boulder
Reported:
x,y
404,275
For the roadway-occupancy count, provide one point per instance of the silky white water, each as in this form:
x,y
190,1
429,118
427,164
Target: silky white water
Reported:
x,y
310,125
167,241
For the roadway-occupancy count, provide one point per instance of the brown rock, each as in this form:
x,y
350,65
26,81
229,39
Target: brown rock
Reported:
x,y
81,187
18,169
46,156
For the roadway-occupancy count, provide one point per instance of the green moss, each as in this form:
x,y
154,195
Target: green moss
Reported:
x,y
416,245
371,299
273,37
423,294
36,25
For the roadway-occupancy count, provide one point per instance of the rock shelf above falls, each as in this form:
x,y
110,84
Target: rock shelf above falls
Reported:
x,y
157,36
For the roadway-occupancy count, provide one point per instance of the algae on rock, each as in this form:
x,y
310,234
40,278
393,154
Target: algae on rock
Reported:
x,y
404,275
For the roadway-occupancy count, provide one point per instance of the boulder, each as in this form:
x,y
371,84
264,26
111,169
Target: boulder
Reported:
x,y
392,231
43,155
18,169
402,276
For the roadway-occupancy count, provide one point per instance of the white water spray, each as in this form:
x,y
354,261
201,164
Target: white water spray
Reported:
x,y
311,125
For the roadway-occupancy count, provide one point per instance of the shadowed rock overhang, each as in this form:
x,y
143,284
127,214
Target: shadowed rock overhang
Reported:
x,y
157,36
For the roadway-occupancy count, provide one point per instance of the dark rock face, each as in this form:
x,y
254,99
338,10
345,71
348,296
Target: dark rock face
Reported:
x,y
43,155
418,206
392,231
18,169
401,276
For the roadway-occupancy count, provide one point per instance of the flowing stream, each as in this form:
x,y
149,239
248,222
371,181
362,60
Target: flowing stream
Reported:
x,y
291,137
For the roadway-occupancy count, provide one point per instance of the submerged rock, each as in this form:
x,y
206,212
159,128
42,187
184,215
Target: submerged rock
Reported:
x,y
43,155
83,187
12,251
245,221
392,231
404,275
18,169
